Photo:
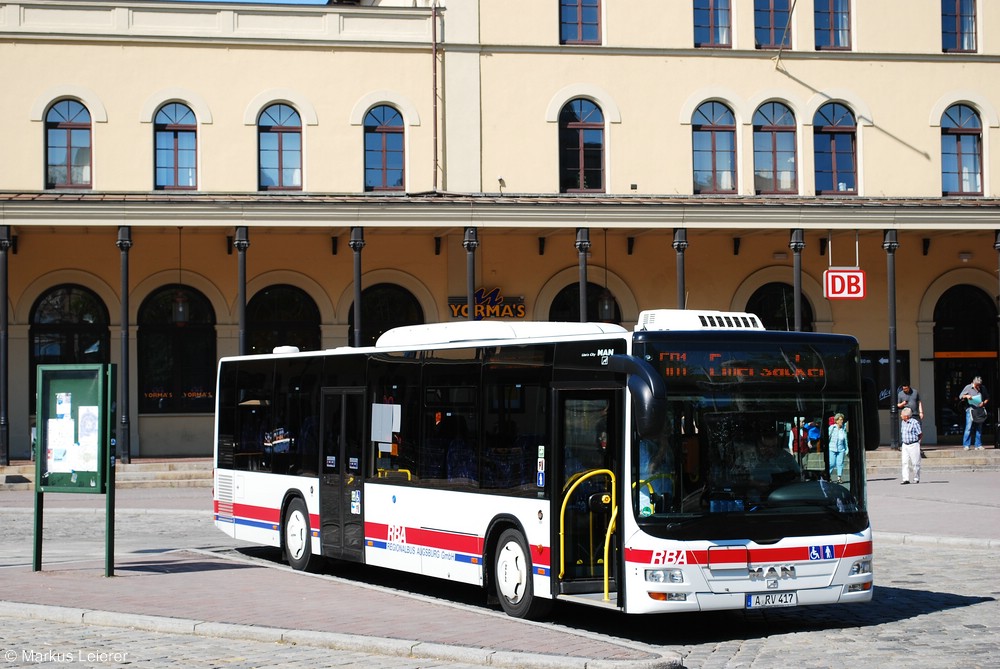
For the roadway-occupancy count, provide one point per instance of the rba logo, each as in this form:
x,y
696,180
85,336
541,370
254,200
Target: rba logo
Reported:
x,y
772,572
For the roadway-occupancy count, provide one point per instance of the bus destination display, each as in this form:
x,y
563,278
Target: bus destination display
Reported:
x,y
741,365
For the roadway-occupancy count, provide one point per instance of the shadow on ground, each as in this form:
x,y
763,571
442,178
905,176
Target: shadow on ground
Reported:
x,y
889,604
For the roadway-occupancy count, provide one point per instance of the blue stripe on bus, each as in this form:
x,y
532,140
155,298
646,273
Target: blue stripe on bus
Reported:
x,y
466,558
259,524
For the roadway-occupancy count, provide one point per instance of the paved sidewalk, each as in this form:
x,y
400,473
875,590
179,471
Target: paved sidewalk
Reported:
x,y
203,592
200,593
958,508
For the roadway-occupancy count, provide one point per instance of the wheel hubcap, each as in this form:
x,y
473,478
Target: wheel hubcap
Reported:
x,y
295,535
511,572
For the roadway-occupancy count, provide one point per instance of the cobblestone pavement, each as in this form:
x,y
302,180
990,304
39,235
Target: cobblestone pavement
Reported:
x,y
936,605
26,643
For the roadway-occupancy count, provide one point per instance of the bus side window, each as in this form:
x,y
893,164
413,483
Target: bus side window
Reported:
x,y
394,378
253,415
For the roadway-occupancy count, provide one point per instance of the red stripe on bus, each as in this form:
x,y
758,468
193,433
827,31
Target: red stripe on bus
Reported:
x,y
266,514
858,549
262,513
450,541
417,536
739,557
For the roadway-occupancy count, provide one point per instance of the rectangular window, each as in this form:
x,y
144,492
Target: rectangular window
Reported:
x,y
772,24
833,24
961,165
516,419
451,415
712,23
834,158
254,399
579,21
394,379
958,25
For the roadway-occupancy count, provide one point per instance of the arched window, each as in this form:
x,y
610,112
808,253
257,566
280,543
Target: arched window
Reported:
x,y
384,306
835,148
961,151
713,129
282,315
566,304
279,133
384,157
67,145
774,149
581,147
965,319
69,326
175,129
176,350
774,305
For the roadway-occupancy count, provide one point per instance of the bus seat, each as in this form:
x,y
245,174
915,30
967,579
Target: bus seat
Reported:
x,y
461,461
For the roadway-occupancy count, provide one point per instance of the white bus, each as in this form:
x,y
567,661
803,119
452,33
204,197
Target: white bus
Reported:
x,y
664,469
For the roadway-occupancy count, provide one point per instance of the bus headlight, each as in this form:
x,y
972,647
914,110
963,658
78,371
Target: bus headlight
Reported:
x,y
665,575
861,567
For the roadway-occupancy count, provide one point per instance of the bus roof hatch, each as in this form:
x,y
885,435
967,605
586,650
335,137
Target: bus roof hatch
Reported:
x,y
695,319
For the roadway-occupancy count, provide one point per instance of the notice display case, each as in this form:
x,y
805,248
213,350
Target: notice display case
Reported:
x,y
75,417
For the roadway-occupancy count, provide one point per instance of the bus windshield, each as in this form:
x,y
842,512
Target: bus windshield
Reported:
x,y
762,440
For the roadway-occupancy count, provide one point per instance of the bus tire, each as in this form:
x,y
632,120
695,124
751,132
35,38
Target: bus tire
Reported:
x,y
296,536
512,576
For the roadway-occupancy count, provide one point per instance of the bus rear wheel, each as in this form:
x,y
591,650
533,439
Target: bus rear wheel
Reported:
x,y
297,537
512,576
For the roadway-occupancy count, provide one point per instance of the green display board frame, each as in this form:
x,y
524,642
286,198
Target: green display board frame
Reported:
x,y
75,418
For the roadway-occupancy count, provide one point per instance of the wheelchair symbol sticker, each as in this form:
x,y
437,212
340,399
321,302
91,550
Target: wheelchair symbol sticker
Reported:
x,y
821,553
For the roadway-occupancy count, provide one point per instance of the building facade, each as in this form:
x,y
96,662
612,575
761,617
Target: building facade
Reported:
x,y
243,162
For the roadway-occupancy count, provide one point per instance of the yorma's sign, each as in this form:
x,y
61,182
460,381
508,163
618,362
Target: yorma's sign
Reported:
x,y
490,304
844,283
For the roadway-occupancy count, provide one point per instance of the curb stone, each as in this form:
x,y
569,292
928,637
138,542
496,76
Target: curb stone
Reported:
x,y
926,540
370,645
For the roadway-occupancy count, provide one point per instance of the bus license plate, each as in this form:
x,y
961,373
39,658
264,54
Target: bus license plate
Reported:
x,y
768,600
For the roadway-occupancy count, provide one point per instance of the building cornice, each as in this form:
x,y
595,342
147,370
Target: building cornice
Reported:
x,y
345,25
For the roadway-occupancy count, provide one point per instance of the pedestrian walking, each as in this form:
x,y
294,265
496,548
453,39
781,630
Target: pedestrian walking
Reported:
x,y
910,434
976,397
908,396
838,447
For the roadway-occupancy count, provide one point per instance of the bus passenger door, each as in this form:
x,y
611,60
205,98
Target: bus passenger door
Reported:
x,y
588,427
340,503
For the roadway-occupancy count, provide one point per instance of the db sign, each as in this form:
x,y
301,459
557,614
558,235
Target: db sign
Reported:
x,y
844,284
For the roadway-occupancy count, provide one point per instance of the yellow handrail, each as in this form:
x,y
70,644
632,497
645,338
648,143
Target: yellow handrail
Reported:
x,y
384,473
580,478
607,546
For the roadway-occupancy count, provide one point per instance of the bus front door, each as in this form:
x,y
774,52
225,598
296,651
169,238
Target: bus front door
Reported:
x,y
341,517
588,428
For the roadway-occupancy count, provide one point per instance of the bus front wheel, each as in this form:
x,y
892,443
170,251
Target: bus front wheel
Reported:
x,y
298,537
512,575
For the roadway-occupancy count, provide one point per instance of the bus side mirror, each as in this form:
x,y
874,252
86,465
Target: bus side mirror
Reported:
x,y
649,393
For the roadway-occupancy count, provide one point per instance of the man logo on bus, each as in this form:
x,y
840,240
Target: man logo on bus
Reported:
x,y
605,353
669,557
397,534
